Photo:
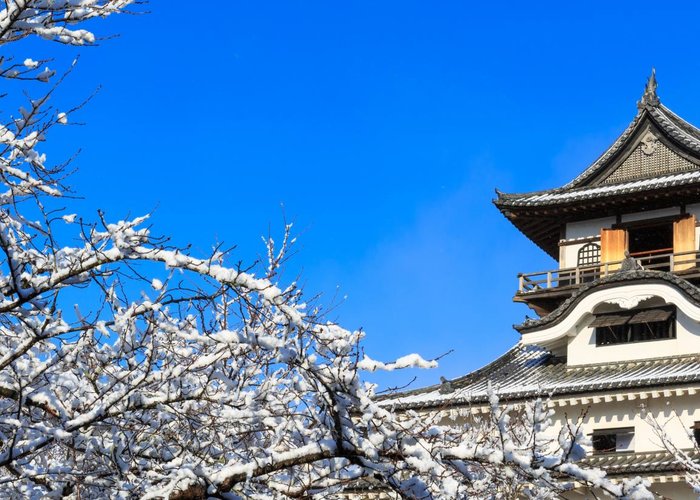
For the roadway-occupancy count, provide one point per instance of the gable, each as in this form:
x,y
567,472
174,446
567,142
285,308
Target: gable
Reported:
x,y
652,157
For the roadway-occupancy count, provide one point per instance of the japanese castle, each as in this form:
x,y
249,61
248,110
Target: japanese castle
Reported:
x,y
617,338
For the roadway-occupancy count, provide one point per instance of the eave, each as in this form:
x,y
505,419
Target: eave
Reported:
x,y
529,371
541,223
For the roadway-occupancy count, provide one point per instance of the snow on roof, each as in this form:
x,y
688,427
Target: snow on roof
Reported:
x,y
529,371
547,197
636,463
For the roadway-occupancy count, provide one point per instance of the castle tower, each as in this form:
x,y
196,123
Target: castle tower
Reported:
x,y
618,333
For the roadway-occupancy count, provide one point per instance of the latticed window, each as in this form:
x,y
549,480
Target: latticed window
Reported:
x,y
589,254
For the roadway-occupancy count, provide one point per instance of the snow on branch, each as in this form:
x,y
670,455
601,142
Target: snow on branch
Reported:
x,y
55,19
132,368
688,458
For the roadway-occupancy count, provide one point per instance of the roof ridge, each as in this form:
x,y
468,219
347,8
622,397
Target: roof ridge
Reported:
x,y
680,121
609,152
649,105
677,126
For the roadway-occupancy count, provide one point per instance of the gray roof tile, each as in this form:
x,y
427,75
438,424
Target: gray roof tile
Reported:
x,y
635,463
529,371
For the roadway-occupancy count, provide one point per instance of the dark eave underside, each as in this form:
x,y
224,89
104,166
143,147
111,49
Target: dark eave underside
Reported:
x,y
542,224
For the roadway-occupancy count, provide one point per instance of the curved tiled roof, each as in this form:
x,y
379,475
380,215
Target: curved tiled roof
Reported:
x,y
618,278
670,123
584,186
529,371
636,463
556,196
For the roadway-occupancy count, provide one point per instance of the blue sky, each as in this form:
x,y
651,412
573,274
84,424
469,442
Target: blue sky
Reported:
x,y
380,129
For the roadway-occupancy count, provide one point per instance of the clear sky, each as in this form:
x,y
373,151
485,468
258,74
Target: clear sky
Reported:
x,y
380,129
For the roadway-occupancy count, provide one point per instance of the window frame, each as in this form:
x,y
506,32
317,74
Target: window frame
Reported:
x,y
615,334
586,256
695,430
617,431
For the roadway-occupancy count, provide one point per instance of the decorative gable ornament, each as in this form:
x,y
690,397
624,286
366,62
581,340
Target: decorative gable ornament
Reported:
x,y
628,302
649,144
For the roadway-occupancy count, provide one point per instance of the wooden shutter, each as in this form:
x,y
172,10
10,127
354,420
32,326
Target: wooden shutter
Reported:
x,y
684,241
613,243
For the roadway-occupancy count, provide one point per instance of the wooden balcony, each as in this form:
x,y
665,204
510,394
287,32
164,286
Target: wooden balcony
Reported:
x,y
686,264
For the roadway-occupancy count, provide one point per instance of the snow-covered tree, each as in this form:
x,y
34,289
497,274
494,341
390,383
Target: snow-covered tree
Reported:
x,y
131,368
687,457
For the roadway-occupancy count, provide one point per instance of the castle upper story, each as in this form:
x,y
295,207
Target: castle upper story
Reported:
x,y
636,206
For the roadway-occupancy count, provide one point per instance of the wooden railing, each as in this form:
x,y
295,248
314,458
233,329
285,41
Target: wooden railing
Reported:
x,y
572,276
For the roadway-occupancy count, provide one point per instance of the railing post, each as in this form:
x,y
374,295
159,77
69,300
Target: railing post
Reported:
x,y
549,279
671,263
578,276
606,270
521,283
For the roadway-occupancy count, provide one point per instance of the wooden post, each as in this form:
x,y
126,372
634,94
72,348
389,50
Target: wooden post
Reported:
x,y
549,279
578,276
671,263
521,282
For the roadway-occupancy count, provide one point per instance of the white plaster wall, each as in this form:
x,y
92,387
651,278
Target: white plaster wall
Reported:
x,y
591,228
651,214
676,413
582,349
586,228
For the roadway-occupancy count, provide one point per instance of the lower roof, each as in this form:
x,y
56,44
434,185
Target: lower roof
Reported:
x,y
527,371
635,463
